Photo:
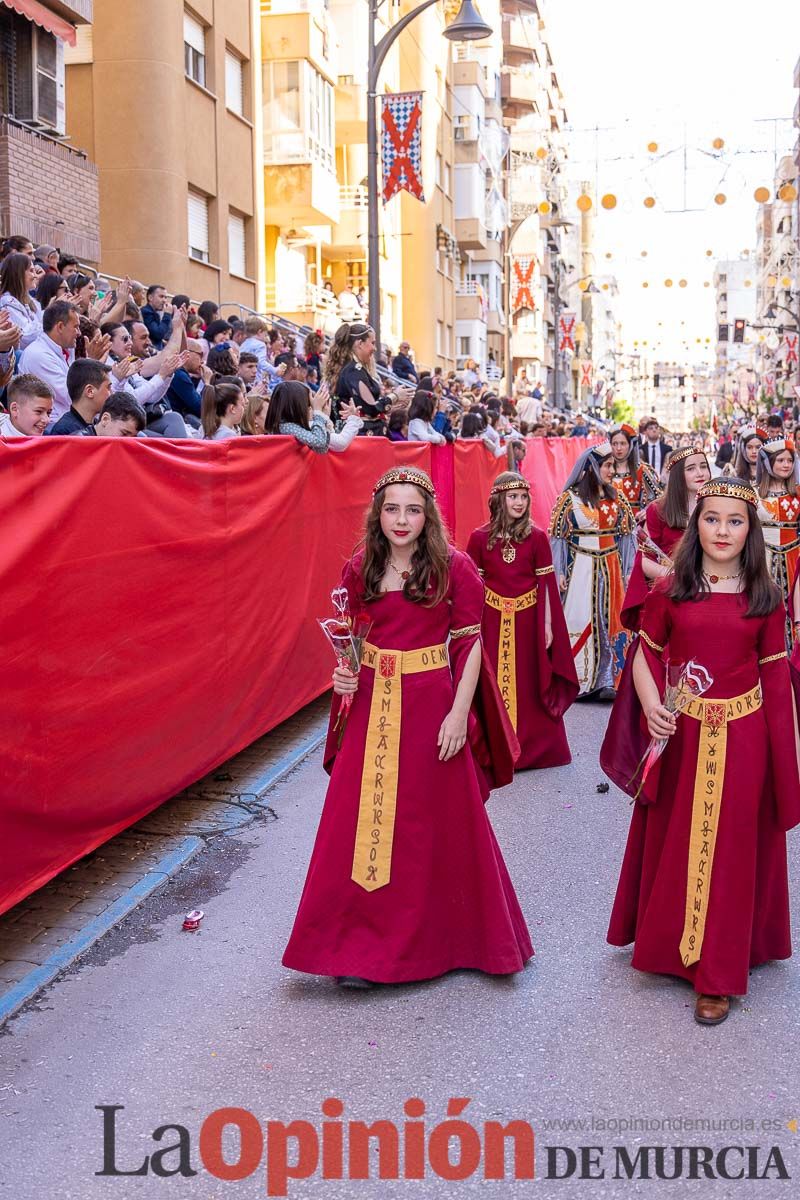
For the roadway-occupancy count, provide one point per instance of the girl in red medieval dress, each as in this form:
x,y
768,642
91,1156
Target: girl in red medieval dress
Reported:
x,y
778,473
664,522
703,890
406,879
523,624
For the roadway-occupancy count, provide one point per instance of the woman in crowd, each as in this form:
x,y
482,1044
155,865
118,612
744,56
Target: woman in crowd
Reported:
x,y
222,408
749,441
420,420
255,414
406,880
591,534
313,349
288,414
216,332
703,890
17,281
523,624
635,481
350,374
778,471
51,287
664,524
223,359
207,312
84,292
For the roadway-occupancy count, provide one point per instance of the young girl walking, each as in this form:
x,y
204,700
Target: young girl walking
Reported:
x,y
523,624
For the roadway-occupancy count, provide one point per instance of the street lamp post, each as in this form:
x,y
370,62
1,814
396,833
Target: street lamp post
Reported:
x,y
468,26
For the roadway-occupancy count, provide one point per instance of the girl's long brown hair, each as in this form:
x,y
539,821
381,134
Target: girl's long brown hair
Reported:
x,y
768,476
673,506
430,562
501,525
341,352
689,583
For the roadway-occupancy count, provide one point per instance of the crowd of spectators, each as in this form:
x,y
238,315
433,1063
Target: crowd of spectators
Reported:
x,y
80,358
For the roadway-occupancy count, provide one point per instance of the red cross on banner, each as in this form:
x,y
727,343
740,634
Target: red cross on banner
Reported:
x,y
769,383
586,372
566,329
790,342
522,268
401,120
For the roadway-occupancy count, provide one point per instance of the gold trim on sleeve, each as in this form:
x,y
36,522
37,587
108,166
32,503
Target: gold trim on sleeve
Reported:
x,y
467,631
772,658
545,570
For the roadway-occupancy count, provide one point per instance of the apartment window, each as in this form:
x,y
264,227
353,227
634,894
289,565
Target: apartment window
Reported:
x,y
298,114
464,345
440,349
237,253
31,73
446,178
439,172
198,226
194,49
234,83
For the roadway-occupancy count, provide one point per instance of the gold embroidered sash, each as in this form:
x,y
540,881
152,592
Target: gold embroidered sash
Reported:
x,y
714,717
372,857
508,607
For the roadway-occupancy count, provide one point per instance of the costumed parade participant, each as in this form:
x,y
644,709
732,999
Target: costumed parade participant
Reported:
x,y
703,891
591,535
778,511
524,631
749,441
664,524
634,480
406,879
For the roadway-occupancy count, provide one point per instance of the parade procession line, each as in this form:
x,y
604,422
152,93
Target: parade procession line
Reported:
x,y
45,934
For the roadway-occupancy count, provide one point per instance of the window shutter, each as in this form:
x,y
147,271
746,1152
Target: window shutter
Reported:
x,y
194,34
237,257
198,226
234,83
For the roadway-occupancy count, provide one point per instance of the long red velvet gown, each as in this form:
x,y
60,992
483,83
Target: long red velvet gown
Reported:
x,y
546,681
449,902
666,537
748,906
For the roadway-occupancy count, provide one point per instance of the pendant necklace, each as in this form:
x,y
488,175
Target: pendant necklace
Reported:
x,y
509,552
720,578
404,575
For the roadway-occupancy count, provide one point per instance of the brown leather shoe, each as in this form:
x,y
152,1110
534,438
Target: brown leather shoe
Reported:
x,y
711,1010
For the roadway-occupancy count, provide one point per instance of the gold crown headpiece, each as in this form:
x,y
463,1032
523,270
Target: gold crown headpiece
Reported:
x,y
729,491
776,445
601,450
679,455
406,475
624,427
511,485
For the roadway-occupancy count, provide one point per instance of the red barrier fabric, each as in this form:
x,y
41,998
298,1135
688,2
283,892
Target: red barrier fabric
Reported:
x,y
547,465
159,613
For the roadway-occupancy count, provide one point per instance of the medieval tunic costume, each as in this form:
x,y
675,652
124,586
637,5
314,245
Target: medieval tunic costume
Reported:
x,y
537,684
779,517
666,538
593,551
418,886
703,889
640,484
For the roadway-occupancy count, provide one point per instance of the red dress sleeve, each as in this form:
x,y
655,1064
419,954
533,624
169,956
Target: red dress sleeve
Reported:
x,y
491,735
557,678
475,547
781,713
627,737
352,581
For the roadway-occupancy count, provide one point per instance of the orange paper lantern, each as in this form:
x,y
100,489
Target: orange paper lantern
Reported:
x,y
609,200
720,198
584,203
544,207
652,147
761,195
667,283
718,143
649,202
787,193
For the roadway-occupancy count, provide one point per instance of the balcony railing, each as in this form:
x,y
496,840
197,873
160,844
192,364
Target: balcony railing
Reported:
x,y
353,196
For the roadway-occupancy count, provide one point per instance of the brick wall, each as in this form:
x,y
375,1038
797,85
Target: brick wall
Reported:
x,y
48,192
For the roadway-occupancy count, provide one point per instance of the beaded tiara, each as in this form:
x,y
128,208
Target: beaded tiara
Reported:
x,y
750,431
602,449
406,475
678,455
775,445
511,485
729,490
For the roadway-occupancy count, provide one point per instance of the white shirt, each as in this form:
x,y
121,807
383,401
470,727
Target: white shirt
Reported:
x,y
29,320
223,432
7,430
529,410
423,431
146,391
651,454
341,440
48,362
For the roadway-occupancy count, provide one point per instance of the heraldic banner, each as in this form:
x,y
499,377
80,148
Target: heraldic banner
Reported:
x,y
522,268
401,125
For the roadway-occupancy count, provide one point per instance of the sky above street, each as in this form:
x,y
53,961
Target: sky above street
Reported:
x,y
681,75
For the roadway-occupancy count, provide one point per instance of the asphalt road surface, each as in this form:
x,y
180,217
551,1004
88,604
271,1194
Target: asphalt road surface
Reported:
x,y
174,1026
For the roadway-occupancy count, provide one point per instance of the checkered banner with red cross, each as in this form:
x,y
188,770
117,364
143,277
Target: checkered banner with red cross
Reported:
x,y
401,143
586,372
769,384
790,343
522,269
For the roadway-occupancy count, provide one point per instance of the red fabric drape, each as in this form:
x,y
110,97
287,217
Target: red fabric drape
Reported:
x,y
159,614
